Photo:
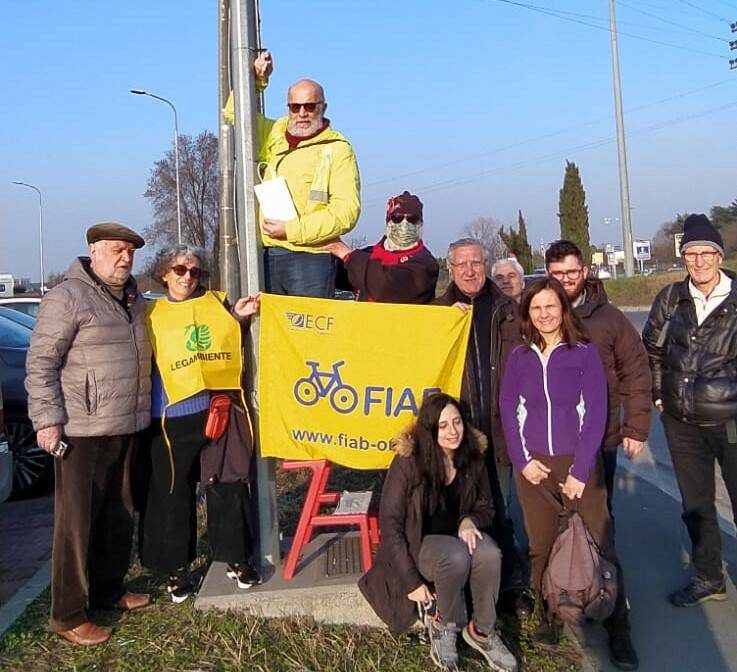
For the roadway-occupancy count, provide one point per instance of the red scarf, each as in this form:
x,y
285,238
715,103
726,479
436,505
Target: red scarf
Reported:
x,y
293,140
394,257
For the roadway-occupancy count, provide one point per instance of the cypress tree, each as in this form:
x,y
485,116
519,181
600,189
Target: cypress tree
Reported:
x,y
573,212
516,242
524,255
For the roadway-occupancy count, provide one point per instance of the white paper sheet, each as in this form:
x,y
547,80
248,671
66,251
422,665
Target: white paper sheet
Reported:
x,y
275,200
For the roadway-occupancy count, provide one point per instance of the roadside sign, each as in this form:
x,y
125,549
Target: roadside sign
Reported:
x,y
597,258
677,242
642,250
611,259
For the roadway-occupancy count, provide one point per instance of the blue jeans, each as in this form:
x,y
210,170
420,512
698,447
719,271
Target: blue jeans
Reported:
x,y
299,273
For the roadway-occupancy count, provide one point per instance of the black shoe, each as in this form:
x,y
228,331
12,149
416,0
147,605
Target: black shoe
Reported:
x,y
621,652
524,604
698,590
179,587
548,634
244,575
516,601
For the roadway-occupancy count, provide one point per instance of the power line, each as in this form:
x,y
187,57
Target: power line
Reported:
x,y
705,11
546,136
594,144
672,23
728,4
555,13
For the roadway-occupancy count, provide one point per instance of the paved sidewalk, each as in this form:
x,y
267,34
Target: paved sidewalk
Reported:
x,y
25,542
653,547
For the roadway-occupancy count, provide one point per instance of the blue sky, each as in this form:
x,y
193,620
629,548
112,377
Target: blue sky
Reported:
x,y
473,105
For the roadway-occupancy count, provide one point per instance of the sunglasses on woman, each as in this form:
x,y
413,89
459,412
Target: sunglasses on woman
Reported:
x,y
195,272
398,217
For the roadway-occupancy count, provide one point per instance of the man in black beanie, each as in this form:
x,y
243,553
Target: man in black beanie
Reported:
x,y
690,340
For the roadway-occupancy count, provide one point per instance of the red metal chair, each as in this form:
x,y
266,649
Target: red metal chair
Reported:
x,y
368,523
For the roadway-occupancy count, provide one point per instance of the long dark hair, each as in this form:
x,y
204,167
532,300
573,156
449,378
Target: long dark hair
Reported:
x,y
428,454
572,329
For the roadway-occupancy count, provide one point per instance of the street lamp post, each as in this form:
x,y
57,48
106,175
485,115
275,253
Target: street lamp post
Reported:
x,y
40,230
141,92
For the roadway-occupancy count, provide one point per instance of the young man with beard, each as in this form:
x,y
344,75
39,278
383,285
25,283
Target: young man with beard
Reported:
x,y
399,268
321,172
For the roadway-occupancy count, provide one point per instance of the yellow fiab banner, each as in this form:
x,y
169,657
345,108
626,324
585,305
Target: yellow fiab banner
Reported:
x,y
339,379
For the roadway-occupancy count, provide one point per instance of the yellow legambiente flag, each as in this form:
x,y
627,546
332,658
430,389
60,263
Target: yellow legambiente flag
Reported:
x,y
196,344
338,379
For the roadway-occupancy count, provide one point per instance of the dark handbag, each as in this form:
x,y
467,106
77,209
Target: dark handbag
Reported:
x,y
218,416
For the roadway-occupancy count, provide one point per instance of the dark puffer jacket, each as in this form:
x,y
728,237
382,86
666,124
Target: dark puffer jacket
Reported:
x,y
625,363
504,337
394,573
695,369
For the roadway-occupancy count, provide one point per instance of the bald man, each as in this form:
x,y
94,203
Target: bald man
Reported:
x,y
321,172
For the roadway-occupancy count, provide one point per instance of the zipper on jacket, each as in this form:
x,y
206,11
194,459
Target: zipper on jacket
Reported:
x,y
544,363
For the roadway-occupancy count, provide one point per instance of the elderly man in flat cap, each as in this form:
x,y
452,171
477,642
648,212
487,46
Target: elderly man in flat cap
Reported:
x,y
88,382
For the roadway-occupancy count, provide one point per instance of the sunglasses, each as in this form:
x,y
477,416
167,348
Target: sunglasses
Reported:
x,y
294,108
195,272
398,217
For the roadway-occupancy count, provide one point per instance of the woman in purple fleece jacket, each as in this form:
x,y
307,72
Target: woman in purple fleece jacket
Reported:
x,y
553,405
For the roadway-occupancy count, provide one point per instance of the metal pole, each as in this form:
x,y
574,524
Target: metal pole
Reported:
x,y
243,46
624,187
40,231
141,92
229,273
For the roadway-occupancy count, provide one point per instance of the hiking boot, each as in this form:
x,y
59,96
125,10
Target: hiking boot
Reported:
x,y
443,646
548,633
491,647
244,575
179,587
622,653
698,590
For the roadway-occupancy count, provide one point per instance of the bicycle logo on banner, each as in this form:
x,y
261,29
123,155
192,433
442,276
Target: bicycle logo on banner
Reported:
x,y
320,384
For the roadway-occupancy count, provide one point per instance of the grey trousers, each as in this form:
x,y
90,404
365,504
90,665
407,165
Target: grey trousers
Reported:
x,y
446,562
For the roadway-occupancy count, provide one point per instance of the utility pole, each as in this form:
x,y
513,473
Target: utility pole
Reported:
x,y
624,187
229,273
244,46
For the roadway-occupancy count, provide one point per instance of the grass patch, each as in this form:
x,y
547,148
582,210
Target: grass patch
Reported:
x,y
640,290
176,637
166,636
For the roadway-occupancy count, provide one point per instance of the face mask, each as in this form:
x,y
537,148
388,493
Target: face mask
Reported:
x,y
404,234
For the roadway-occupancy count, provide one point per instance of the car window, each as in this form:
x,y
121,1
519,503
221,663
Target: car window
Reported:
x,y
14,335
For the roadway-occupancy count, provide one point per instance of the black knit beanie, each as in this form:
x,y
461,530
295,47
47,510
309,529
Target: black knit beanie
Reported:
x,y
698,230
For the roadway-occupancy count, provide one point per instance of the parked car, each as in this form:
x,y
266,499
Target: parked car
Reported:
x,y
529,277
6,459
32,466
24,304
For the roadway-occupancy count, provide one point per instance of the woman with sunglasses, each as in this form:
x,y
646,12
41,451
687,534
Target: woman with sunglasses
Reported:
x,y
435,501
399,268
553,404
196,341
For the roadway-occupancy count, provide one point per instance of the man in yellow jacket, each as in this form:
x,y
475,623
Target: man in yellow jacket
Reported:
x,y
321,172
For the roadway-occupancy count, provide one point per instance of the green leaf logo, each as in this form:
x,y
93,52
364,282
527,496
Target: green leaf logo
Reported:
x,y
198,337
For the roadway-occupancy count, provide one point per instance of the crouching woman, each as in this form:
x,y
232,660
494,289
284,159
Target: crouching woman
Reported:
x,y
435,502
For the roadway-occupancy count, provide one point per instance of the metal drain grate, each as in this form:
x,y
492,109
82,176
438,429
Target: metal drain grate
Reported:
x,y
344,556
